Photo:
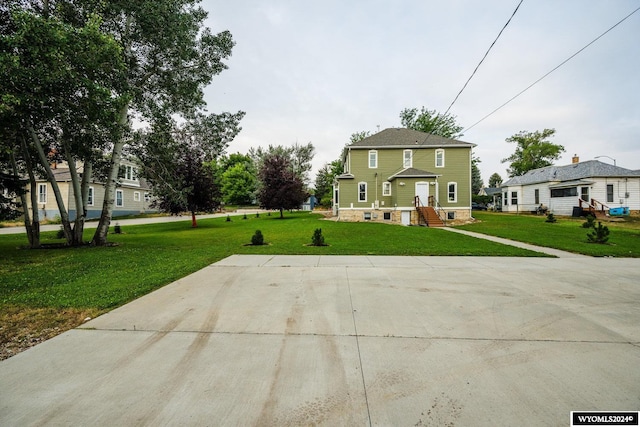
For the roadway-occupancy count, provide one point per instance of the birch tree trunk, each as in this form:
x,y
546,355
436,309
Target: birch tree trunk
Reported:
x,y
100,236
64,216
32,227
78,222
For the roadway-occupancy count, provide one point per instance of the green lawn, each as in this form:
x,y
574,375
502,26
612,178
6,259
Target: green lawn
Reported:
x,y
150,256
566,234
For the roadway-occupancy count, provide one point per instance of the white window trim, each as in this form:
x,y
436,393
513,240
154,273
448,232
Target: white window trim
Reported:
x,y
455,192
440,151
407,162
386,188
365,191
42,195
136,196
375,153
91,195
121,199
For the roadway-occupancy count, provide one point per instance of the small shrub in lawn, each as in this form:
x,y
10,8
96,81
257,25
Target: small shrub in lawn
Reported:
x,y
228,218
550,218
117,229
257,214
590,222
245,216
600,234
257,239
60,233
317,239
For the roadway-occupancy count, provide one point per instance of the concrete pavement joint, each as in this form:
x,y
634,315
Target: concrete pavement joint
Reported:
x,y
355,329
356,335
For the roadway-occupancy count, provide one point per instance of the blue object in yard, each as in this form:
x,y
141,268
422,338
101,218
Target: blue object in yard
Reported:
x,y
622,211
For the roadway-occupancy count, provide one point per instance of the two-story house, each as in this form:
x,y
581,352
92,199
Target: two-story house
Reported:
x,y
405,176
132,194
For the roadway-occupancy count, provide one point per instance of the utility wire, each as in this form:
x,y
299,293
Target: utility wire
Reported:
x,y
554,69
483,58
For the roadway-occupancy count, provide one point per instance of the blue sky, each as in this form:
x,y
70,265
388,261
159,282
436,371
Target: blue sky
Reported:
x,y
318,71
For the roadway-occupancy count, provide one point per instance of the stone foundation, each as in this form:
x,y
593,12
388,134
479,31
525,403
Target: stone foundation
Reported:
x,y
395,216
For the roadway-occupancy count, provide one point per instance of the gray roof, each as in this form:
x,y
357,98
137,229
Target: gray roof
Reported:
x,y
413,173
407,138
572,172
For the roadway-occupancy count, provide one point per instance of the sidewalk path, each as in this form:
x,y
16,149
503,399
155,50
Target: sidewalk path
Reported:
x,y
550,251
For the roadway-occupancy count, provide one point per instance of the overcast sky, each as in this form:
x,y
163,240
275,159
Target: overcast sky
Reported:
x,y
319,70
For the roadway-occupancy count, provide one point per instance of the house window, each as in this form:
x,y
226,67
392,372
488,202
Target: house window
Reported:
x,y
514,197
506,198
407,158
42,193
387,216
452,192
362,191
609,193
119,198
451,215
147,197
439,158
90,195
536,196
367,216
386,188
373,159
136,196
584,193
564,192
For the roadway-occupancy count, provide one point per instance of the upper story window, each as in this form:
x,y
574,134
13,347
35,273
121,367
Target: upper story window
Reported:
x,y
373,159
128,173
90,196
407,158
440,158
386,188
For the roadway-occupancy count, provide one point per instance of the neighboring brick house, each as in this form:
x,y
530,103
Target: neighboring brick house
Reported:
x,y
407,177
132,194
581,186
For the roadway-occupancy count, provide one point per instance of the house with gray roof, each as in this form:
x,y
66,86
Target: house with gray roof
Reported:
x,y
405,176
565,190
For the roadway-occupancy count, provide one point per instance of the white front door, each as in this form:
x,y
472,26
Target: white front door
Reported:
x,y
422,191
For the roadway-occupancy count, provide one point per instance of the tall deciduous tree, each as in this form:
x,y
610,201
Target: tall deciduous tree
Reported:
x,y
430,121
495,180
176,160
280,186
299,156
170,58
533,151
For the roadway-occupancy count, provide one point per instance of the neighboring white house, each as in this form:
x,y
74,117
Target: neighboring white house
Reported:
x,y
132,194
581,184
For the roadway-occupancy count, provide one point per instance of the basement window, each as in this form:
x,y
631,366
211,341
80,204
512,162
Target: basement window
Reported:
x,y
367,216
451,215
387,216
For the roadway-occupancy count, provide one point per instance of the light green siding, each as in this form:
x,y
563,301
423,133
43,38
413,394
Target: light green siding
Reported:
x,y
457,168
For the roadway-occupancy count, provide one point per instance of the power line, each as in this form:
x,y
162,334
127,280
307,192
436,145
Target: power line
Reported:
x,y
483,58
554,69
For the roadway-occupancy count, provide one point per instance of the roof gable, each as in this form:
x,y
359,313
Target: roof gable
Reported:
x,y
406,138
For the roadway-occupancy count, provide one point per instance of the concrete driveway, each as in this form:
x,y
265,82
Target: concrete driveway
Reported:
x,y
354,341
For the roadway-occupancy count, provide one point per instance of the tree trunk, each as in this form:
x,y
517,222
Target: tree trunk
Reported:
x,y
32,227
78,223
194,223
64,217
100,236
281,213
